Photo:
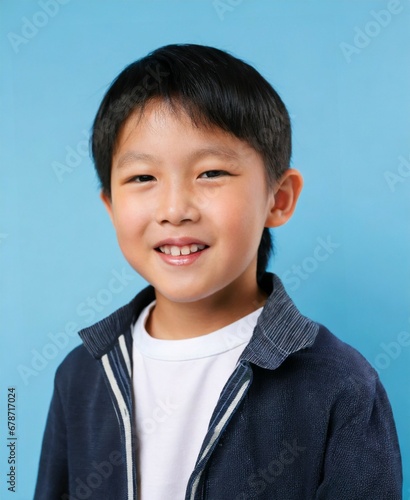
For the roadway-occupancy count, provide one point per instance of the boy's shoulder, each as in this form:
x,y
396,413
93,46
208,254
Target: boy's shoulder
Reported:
x,y
290,329
77,368
285,337
332,357
80,387
328,378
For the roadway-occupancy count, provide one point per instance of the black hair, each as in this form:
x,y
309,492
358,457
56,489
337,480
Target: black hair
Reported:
x,y
215,89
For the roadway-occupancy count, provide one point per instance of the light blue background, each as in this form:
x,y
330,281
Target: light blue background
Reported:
x,y
351,126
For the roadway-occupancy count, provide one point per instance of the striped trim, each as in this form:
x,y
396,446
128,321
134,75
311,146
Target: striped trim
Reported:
x,y
125,353
126,423
281,331
218,430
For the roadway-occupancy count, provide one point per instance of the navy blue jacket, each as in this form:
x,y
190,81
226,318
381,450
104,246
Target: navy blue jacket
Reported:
x,y
303,416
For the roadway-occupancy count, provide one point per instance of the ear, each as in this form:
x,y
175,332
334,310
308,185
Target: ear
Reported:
x,y
286,192
106,199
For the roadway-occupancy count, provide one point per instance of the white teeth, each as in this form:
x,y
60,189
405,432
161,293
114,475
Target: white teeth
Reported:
x,y
177,251
165,249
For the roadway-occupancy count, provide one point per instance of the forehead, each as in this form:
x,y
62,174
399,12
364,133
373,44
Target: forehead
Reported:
x,y
158,121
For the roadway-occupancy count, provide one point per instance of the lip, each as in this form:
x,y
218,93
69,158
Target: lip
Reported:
x,y
180,242
181,260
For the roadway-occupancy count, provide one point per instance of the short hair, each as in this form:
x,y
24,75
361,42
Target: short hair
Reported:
x,y
215,89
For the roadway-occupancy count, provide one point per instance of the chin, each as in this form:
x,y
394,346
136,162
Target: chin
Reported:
x,y
182,297
184,293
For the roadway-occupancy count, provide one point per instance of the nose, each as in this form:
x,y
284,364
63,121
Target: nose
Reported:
x,y
176,204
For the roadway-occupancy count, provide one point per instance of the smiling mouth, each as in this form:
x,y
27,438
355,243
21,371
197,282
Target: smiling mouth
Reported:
x,y
177,251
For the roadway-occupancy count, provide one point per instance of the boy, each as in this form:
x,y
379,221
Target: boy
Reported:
x,y
209,384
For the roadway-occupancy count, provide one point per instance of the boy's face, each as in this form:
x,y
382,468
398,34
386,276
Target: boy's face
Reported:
x,y
189,205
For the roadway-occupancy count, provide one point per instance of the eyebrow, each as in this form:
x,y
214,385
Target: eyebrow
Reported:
x,y
219,152
133,156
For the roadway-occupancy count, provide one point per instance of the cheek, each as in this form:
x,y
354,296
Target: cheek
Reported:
x,y
241,218
129,218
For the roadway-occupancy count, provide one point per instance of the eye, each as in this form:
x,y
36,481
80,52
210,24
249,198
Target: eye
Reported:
x,y
210,174
139,179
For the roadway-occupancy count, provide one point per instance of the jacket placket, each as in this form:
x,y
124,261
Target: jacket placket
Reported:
x,y
230,399
116,365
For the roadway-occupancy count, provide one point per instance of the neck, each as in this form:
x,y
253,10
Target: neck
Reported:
x,y
181,320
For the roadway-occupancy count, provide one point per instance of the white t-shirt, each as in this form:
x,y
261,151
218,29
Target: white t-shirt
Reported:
x,y
176,386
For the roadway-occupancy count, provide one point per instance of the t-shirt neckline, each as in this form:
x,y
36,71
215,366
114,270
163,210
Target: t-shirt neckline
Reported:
x,y
211,344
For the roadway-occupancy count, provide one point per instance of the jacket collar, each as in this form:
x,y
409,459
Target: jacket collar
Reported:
x,y
281,329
